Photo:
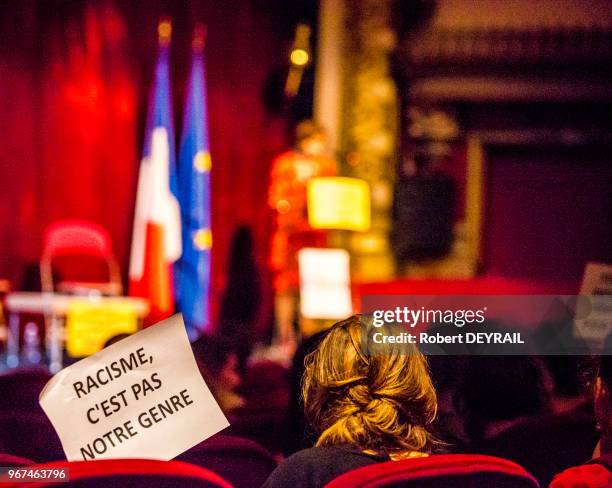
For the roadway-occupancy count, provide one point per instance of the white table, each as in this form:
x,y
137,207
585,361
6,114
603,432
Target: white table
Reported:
x,y
54,307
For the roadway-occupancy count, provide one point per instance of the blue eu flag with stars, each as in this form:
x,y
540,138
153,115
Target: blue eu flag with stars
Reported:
x,y
192,273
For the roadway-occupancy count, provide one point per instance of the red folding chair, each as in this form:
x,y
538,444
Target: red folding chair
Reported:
x,y
128,473
78,238
447,470
242,462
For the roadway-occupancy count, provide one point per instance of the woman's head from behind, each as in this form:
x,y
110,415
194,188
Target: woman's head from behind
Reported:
x,y
496,390
383,401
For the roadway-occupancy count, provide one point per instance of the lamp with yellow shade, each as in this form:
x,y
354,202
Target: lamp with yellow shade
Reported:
x,y
337,202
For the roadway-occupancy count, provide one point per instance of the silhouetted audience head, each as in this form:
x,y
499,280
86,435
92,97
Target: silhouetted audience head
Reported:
x,y
378,402
218,365
597,472
241,298
498,389
565,356
299,434
242,295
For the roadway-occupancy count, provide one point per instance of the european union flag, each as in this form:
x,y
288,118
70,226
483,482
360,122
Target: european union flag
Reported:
x,y
193,269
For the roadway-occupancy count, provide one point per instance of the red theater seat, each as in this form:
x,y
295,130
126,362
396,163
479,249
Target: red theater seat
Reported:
x,y
10,460
270,430
585,476
545,445
243,462
129,473
447,470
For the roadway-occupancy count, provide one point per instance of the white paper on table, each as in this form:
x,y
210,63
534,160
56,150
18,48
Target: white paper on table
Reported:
x,y
325,283
162,350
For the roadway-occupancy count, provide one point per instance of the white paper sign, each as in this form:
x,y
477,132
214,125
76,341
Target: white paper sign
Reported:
x,y
142,397
597,285
597,279
325,283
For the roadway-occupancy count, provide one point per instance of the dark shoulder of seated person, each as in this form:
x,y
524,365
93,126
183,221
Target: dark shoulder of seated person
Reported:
x,y
317,466
366,409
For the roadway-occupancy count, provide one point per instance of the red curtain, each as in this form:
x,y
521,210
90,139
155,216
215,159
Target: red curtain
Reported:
x,y
74,82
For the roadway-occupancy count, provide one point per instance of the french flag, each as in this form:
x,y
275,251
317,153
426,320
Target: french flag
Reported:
x,y
156,239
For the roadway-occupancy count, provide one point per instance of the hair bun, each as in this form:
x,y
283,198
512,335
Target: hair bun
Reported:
x,y
359,394
383,403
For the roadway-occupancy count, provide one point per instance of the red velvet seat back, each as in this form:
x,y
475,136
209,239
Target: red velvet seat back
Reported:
x,y
10,460
546,445
445,470
242,462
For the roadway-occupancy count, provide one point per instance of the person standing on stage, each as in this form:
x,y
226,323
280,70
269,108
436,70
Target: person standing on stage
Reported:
x,y
291,172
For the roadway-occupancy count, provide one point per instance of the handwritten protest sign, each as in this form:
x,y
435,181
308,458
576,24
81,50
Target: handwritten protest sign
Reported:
x,y
593,320
142,397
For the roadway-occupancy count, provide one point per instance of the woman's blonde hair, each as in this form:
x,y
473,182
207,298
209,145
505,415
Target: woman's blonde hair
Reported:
x,y
382,402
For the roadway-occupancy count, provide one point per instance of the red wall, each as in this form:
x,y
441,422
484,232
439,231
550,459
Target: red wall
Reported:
x,y
548,213
74,82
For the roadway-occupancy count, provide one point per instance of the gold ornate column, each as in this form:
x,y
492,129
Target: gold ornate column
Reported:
x,y
369,135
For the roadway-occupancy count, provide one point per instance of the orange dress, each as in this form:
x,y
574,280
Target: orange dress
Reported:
x,y
287,197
